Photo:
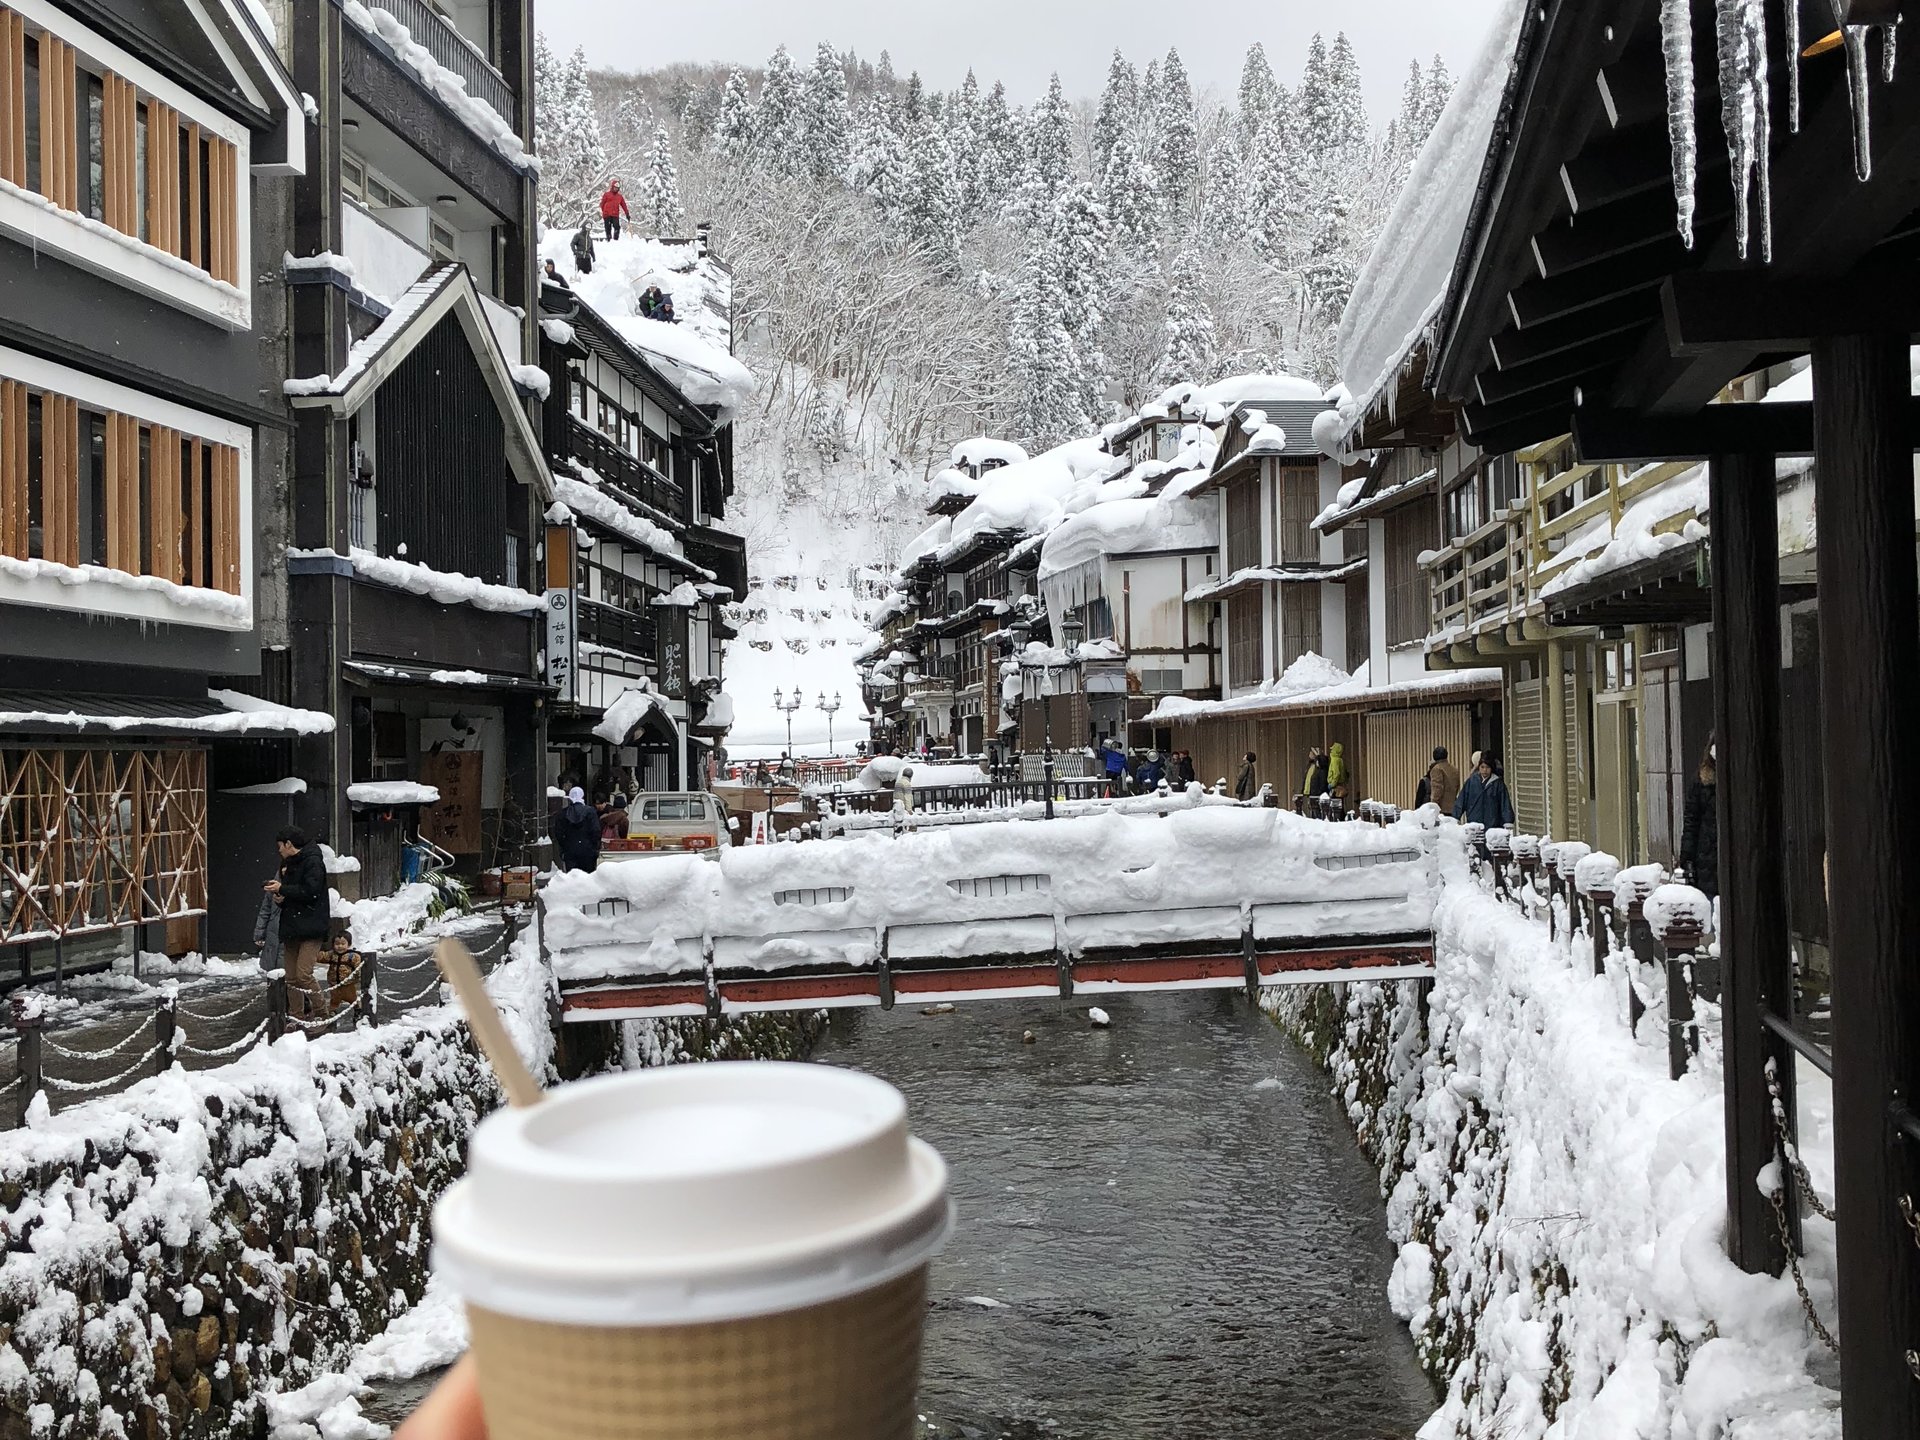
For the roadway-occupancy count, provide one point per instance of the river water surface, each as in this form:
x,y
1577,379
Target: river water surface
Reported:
x,y
1176,1231
1166,1230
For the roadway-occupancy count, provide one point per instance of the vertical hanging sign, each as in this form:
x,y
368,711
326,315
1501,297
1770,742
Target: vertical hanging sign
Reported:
x,y
561,635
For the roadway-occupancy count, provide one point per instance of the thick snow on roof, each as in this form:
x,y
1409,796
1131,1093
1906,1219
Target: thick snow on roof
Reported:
x,y
695,352
1117,517
628,709
952,482
1312,681
929,541
1031,497
1400,290
478,116
1236,389
392,792
369,347
583,496
983,448
449,587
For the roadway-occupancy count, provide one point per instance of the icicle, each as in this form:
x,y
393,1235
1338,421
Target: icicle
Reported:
x,y
1857,79
1793,59
1742,35
1889,33
1676,42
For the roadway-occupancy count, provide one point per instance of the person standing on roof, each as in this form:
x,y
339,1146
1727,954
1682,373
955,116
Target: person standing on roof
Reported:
x,y
582,247
551,276
613,205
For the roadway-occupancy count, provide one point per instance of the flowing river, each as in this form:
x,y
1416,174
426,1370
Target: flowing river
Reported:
x,y
1166,1230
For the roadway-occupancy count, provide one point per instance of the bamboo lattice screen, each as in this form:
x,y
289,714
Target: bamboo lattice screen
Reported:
x,y
95,840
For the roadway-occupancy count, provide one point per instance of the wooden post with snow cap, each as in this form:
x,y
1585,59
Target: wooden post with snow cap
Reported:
x,y
1526,859
1593,879
165,1023
1500,847
27,1023
1679,915
1567,856
1631,887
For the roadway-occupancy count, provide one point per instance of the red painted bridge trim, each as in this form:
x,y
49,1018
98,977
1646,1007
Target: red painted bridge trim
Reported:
x,y
797,987
631,996
976,977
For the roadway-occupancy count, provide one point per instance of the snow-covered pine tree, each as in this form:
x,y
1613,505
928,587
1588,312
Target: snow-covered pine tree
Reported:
x,y
1056,369
963,134
700,116
884,76
734,128
1280,170
1256,91
879,165
1348,104
1326,284
1189,352
1049,156
777,122
573,158
1439,92
1227,201
823,102
1002,152
660,189
1130,189
1118,103
930,216
1146,120
1179,153
1079,231
916,102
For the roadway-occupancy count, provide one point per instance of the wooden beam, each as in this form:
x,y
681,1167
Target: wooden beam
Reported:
x,y
1787,428
1870,703
13,469
1496,387
1500,432
1633,93
1538,301
60,478
13,98
196,516
1753,311
1757,965
1638,222
1513,348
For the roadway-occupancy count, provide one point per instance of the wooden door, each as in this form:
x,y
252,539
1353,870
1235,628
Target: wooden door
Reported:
x,y
1665,761
453,824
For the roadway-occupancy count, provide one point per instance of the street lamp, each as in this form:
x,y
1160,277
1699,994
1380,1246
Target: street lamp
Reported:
x,y
828,706
786,707
1070,633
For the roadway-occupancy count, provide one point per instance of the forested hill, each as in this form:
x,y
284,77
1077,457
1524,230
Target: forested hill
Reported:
x,y
913,267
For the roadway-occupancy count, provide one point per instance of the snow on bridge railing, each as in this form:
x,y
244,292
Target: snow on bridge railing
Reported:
x,y
1214,896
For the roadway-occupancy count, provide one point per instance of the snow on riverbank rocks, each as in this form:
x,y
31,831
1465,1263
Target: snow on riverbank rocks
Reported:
x,y
1112,878
1559,1203
177,1251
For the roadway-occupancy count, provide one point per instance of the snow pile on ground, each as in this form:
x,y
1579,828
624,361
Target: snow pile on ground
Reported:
x,y
1109,878
1399,293
1559,1203
799,634
695,352
883,771
1601,548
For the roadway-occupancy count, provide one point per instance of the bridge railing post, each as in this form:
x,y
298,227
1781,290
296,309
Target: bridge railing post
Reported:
x,y
27,1025
165,1023
1680,941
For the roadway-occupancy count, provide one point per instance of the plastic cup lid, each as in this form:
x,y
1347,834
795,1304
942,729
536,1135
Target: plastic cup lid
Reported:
x,y
692,1193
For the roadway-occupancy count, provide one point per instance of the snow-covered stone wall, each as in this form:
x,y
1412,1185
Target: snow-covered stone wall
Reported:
x,y
175,1254
1559,1202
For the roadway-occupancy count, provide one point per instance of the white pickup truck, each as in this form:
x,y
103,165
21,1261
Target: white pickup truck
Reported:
x,y
669,822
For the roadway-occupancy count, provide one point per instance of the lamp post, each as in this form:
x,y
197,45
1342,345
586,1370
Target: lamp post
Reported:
x,y
828,707
786,707
1070,633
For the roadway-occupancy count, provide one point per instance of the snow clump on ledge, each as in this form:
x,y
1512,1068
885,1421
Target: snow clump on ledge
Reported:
x,y
449,587
1677,905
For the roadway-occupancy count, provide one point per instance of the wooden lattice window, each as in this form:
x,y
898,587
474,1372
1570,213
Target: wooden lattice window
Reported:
x,y
95,144
163,503
95,840
1243,525
1243,638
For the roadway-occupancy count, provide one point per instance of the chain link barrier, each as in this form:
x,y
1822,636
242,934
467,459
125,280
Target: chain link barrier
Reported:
x,y
85,1056
91,1087
1789,1160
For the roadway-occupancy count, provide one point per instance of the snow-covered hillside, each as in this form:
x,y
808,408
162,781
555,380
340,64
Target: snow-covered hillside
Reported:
x,y
799,632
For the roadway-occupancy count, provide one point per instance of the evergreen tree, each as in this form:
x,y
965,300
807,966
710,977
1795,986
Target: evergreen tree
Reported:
x,y
879,164
1275,203
930,215
700,116
1348,104
1329,272
1439,92
1257,91
1055,365
1188,354
660,190
567,131
884,78
1179,155
1002,152
1314,105
964,134
778,122
734,128
1118,103
1130,189
1227,200
916,105
1146,120
824,105
1049,151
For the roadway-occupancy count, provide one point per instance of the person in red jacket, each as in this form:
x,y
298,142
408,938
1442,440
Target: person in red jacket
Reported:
x,y
613,205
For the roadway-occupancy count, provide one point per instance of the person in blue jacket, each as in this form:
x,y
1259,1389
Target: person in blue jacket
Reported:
x,y
1483,798
1115,760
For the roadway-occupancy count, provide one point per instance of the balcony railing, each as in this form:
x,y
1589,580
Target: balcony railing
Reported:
x,y
617,629
640,480
455,52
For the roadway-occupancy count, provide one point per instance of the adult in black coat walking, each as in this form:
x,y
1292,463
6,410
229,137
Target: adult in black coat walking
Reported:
x,y
576,833
300,890
1700,835
1246,784
1484,799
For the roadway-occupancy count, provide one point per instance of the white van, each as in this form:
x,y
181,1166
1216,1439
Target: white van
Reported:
x,y
669,822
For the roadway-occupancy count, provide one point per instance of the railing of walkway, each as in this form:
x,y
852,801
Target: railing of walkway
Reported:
x,y
79,1061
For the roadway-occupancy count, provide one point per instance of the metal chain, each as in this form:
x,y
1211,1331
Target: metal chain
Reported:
x,y
205,1019
386,999
83,1055
1911,1214
88,1087
234,1049
1777,1198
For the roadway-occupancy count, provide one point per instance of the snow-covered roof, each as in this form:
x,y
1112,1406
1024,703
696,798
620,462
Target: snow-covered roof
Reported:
x,y
1273,575
1314,683
448,587
581,494
626,712
446,289
1355,499
982,448
1238,389
1601,550
219,712
1030,497
1398,296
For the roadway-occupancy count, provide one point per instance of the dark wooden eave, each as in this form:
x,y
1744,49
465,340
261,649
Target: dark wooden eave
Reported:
x,y
1557,301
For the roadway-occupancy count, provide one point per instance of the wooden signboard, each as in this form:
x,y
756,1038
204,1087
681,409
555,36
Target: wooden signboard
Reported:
x,y
453,824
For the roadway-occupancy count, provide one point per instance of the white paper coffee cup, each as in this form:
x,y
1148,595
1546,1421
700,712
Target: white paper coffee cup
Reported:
x,y
701,1252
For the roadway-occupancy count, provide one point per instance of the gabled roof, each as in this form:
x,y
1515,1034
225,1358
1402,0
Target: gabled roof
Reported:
x,y
235,30
592,334
447,289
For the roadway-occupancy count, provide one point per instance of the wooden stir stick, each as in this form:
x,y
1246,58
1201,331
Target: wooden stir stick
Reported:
x,y
457,965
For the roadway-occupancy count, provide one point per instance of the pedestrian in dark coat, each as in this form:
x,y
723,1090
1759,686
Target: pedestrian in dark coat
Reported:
x,y
1440,785
582,247
576,833
1484,799
1700,836
1185,772
300,889
552,276
1246,785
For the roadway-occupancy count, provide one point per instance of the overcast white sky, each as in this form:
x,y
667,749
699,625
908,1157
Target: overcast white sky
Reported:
x,y
1023,41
